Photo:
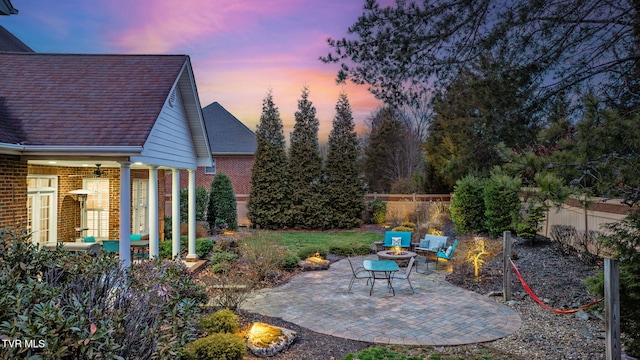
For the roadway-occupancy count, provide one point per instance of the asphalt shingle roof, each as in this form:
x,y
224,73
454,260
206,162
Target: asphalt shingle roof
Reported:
x,y
83,100
8,42
226,133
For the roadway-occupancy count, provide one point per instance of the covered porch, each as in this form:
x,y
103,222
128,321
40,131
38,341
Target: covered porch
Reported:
x,y
111,202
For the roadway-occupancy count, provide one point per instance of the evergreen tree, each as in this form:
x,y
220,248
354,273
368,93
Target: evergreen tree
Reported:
x,y
345,186
480,113
269,201
222,212
379,150
305,168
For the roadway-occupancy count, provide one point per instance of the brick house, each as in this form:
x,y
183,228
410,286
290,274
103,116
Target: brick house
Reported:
x,y
110,126
233,147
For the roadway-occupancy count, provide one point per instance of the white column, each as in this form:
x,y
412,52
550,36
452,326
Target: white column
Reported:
x,y
125,213
175,213
192,256
154,246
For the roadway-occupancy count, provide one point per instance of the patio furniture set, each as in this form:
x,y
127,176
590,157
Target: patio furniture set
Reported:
x,y
397,255
93,247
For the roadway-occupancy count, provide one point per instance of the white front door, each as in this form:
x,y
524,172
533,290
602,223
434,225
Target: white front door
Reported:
x,y
42,209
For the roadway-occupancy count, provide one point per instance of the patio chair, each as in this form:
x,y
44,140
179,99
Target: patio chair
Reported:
x,y
357,273
111,246
397,239
447,254
407,272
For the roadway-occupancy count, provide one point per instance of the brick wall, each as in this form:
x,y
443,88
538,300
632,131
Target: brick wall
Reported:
x,y
70,178
238,168
13,192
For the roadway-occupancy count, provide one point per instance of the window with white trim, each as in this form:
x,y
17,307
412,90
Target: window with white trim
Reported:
x,y
210,170
140,206
97,208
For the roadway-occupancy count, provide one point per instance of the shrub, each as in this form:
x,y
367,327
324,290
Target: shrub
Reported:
x,y
228,289
222,212
220,267
307,251
177,282
353,250
227,244
81,305
167,228
380,353
204,246
402,228
405,226
216,346
529,227
221,321
467,205
202,201
376,212
502,204
265,259
224,256
290,262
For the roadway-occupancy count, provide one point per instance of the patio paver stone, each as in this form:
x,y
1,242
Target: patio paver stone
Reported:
x,y
439,313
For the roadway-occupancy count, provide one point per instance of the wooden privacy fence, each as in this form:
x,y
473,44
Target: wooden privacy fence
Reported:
x,y
571,213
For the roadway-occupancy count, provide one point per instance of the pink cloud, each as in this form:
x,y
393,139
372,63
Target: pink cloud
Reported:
x,y
242,88
160,26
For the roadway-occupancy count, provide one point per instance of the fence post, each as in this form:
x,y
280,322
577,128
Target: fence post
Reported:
x,y
612,308
506,271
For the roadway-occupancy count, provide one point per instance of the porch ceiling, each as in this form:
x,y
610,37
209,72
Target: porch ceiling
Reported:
x,y
86,163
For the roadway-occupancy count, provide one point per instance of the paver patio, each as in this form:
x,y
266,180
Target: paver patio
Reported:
x,y
439,313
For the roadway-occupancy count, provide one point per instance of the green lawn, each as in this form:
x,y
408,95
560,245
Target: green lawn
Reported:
x,y
295,240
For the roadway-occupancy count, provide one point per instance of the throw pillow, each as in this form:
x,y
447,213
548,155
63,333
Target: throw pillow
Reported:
x,y
449,251
396,241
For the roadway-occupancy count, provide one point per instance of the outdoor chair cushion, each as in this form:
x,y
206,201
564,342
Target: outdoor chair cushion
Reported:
x,y
391,239
448,253
432,243
112,246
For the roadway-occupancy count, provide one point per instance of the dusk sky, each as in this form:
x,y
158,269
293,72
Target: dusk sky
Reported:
x,y
240,49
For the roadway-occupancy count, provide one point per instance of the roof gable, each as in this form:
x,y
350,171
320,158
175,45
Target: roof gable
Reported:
x,y
83,100
10,43
226,133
